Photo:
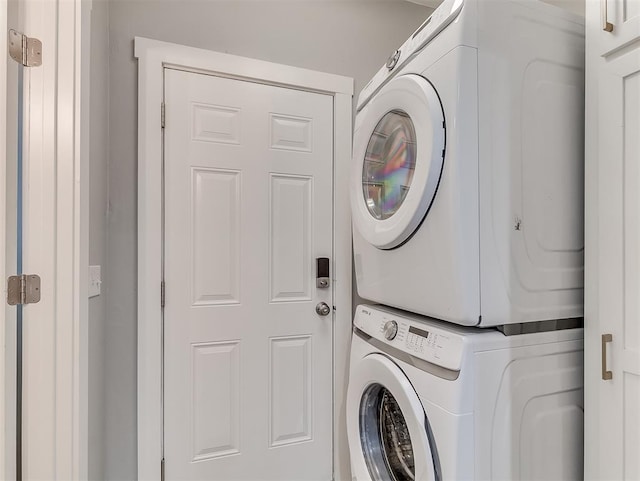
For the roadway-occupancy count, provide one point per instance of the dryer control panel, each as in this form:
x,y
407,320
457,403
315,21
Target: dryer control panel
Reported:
x,y
422,338
432,26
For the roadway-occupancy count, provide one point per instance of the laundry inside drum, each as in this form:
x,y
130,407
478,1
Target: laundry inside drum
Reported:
x,y
395,437
385,437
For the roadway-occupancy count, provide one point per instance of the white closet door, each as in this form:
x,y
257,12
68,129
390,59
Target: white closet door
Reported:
x,y
612,295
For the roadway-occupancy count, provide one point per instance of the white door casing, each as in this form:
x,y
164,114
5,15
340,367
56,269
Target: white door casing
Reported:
x,y
153,56
248,207
5,394
55,197
612,262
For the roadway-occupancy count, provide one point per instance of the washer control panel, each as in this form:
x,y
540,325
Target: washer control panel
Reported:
x,y
419,337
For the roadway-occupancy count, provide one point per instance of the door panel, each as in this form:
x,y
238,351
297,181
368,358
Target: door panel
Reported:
x,y
290,224
215,234
248,208
290,390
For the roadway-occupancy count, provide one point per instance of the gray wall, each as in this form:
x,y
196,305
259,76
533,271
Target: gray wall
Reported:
x,y
99,149
351,38
575,6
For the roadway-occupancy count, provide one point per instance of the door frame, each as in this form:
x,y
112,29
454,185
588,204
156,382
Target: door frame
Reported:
x,y
153,56
4,452
57,161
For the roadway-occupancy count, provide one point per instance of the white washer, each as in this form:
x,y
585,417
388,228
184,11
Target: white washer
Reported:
x,y
433,401
467,180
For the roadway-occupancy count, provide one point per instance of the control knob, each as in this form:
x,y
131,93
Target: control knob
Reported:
x,y
390,330
392,61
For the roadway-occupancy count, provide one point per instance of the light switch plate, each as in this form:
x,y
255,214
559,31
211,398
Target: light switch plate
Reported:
x,y
95,281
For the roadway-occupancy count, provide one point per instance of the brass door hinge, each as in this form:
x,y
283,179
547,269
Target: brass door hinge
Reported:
x,y
25,50
24,289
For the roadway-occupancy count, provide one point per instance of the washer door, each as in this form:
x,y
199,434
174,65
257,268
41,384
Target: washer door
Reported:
x,y
398,157
389,435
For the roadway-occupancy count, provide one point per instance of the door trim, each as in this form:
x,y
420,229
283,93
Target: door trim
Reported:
x,y
4,392
153,56
56,161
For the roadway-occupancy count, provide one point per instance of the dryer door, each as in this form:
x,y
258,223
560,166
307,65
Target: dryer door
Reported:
x,y
398,158
389,434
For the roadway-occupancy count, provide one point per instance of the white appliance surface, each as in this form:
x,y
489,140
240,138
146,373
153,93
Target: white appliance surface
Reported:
x,y
433,401
467,179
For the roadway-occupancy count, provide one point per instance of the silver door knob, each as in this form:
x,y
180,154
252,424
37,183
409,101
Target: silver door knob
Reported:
x,y
323,309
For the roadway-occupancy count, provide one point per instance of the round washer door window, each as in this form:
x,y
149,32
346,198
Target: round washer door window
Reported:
x,y
389,435
385,437
399,149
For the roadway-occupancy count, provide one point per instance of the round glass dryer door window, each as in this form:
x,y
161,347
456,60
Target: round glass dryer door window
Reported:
x,y
399,149
389,163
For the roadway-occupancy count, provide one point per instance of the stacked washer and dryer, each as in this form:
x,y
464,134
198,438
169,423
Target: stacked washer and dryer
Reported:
x,y
467,204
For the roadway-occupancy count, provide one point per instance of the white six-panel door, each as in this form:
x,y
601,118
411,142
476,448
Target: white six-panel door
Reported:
x,y
248,208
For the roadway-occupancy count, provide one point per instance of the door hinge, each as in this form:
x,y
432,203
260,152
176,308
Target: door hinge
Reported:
x,y
162,115
25,50
24,289
162,294
162,470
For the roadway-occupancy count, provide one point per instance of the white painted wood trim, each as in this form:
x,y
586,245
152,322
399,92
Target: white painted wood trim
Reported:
x,y
3,235
72,241
342,251
153,56
150,95
82,197
56,245
592,326
72,244
191,58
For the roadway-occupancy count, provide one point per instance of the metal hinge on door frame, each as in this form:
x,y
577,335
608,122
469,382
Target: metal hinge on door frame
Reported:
x,y
25,50
162,115
162,294
23,289
162,469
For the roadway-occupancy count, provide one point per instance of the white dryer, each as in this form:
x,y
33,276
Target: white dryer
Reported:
x,y
431,401
467,179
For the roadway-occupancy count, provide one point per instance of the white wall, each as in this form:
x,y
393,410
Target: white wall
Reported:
x,y
351,38
99,145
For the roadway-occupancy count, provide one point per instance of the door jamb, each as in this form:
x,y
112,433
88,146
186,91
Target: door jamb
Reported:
x,y
4,452
153,56
57,116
